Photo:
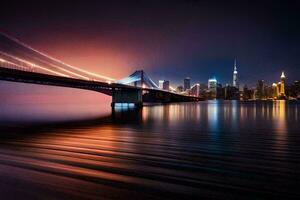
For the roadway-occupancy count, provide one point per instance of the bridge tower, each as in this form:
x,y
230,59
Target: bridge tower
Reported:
x,y
142,78
142,86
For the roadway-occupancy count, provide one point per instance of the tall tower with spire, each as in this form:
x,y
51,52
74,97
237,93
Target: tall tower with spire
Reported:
x,y
282,85
235,81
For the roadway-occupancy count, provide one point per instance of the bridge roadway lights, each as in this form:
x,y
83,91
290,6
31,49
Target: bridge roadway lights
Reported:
x,y
136,105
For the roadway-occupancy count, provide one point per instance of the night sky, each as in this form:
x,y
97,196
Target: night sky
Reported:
x,y
168,39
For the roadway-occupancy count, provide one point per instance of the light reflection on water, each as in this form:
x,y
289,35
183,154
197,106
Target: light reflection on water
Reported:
x,y
214,149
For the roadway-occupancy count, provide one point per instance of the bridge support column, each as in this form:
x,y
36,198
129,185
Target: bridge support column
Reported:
x,y
124,96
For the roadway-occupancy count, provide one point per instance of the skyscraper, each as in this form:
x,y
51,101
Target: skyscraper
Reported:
x,y
235,81
186,84
282,86
179,89
160,84
275,90
212,87
166,85
260,94
195,90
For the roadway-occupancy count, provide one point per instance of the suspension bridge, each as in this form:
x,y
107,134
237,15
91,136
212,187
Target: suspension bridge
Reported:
x,y
21,63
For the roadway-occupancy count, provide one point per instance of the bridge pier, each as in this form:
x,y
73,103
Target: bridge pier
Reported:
x,y
127,96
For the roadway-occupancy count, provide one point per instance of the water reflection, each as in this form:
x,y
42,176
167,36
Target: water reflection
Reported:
x,y
279,121
215,149
212,116
280,116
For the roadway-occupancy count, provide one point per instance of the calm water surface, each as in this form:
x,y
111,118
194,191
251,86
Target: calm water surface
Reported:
x,y
215,149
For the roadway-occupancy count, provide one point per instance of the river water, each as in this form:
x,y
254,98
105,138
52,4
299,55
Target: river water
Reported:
x,y
212,149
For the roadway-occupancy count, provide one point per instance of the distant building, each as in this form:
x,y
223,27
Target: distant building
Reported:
x,y
212,84
186,84
203,86
160,84
269,92
278,90
203,89
220,91
166,85
260,94
293,91
247,93
282,85
195,90
275,90
231,93
278,87
212,88
235,81
179,89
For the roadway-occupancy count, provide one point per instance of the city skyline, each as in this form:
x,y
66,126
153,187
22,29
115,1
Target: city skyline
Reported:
x,y
235,79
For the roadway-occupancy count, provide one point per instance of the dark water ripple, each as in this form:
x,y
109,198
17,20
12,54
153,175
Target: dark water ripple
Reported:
x,y
222,150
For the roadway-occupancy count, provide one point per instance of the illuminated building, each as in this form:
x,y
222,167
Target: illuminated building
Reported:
x,y
212,87
275,90
186,84
278,88
235,82
282,86
195,90
160,84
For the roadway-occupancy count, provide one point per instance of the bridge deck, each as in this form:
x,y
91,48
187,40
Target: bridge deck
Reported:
x,y
150,95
